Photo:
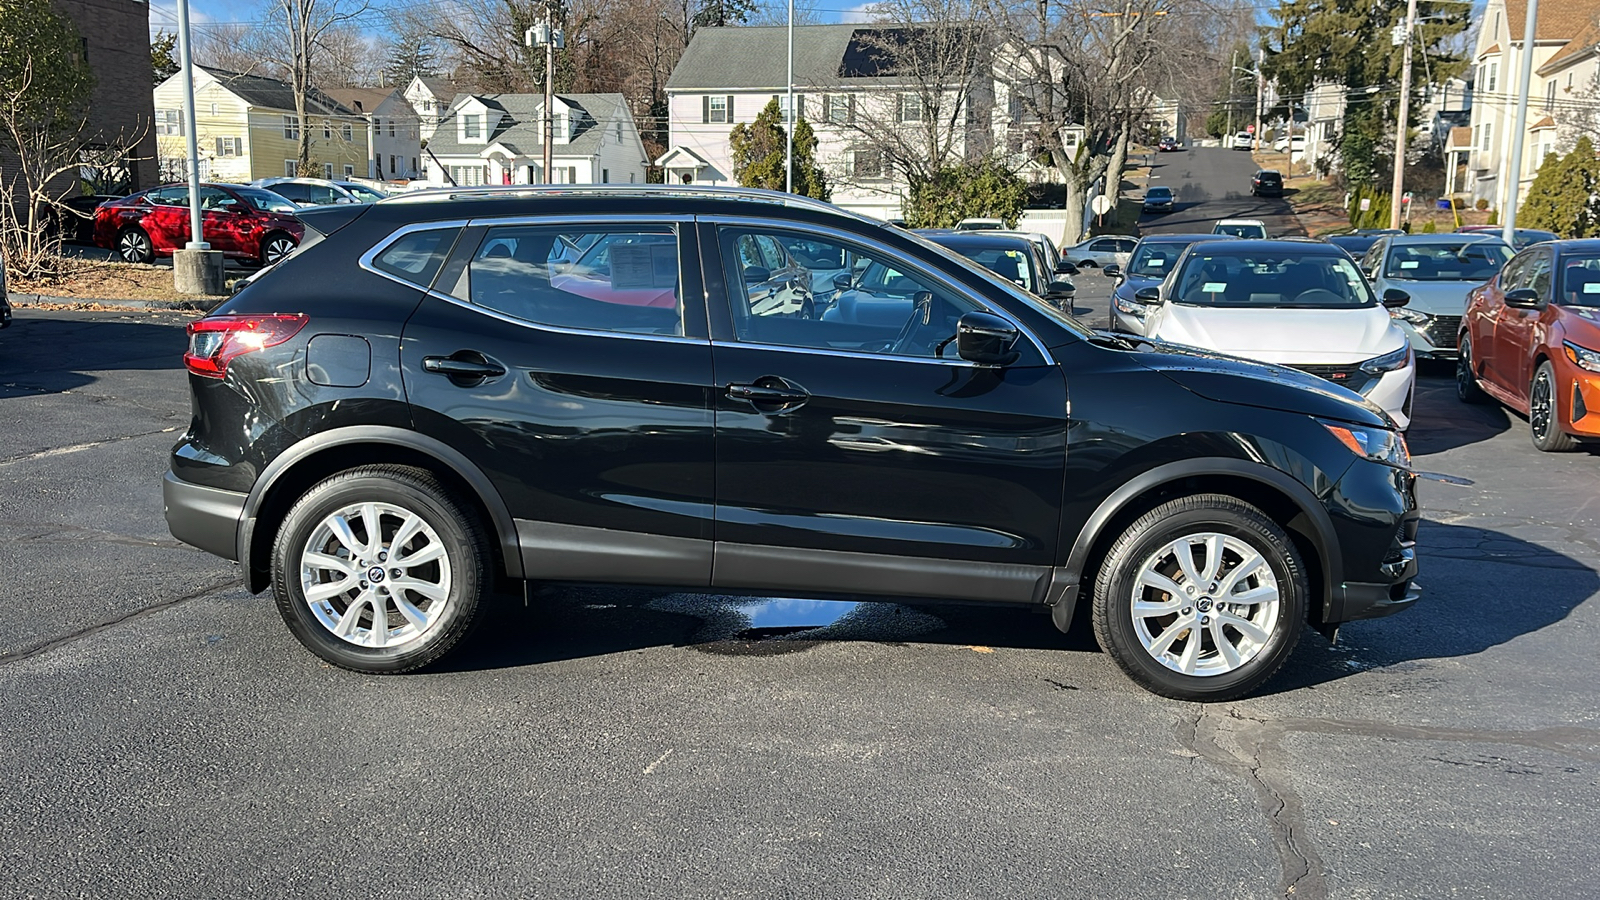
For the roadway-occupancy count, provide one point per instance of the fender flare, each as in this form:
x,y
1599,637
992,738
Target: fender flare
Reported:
x,y
500,515
1319,530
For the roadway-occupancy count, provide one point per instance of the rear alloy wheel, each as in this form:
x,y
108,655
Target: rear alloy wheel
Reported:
x,y
133,245
1543,413
1202,598
275,248
1467,389
378,570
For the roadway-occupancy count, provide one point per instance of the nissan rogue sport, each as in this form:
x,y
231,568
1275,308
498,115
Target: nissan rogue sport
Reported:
x,y
442,394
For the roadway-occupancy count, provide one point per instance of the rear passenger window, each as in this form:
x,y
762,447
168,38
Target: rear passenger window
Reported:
x,y
415,258
622,280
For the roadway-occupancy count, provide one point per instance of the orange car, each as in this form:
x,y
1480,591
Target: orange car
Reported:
x,y
1531,340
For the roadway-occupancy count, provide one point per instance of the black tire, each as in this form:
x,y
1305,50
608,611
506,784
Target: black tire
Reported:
x,y
275,247
1544,413
463,578
1089,263
1467,389
1145,542
134,246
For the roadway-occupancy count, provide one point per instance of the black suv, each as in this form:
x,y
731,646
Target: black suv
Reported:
x,y
1267,183
740,391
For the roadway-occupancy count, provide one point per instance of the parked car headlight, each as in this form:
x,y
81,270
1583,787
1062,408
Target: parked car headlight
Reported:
x,y
1415,317
1130,307
1584,357
1388,362
1376,444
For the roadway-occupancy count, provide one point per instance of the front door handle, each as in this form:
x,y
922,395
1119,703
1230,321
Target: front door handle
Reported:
x,y
462,365
768,391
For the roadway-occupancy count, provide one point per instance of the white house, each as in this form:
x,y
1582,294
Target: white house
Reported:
x,y
498,139
728,75
1564,37
430,98
394,138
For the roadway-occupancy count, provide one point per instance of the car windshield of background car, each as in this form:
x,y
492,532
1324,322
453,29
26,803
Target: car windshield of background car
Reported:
x,y
1273,279
1021,296
362,192
1154,260
266,200
1475,262
1158,193
1580,281
1011,265
1242,231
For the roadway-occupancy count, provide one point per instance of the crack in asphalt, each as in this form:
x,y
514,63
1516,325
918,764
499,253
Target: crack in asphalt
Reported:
x,y
87,445
1252,747
53,531
91,630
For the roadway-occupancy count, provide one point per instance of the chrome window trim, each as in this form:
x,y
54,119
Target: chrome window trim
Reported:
x,y
917,265
366,262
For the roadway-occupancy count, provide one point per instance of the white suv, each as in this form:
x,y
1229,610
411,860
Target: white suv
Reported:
x,y
1243,141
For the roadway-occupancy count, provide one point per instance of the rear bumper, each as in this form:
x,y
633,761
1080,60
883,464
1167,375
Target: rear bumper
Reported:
x,y
205,517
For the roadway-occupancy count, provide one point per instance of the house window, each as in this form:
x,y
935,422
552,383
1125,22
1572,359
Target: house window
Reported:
x,y
349,172
327,131
867,164
391,128
291,128
718,110
327,171
605,176
471,126
1550,96
619,132
213,109
838,109
229,146
169,121
291,169
346,132
911,107
1484,138
467,176
413,165
392,166
1494,76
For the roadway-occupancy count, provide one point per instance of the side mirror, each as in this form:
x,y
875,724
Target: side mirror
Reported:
x,y
843,281
1066,268
1394,298
1523,298
1149,296
1111,270
986,339
1060,288
756,275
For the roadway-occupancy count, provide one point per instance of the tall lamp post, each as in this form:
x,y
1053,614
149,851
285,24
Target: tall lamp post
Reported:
x,y
1402,122
196,269
1519,134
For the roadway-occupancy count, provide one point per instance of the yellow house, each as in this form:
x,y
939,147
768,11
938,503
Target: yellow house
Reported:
x,y
246,129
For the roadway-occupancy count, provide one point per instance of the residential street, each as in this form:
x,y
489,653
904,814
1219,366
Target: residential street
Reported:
x,y
165,736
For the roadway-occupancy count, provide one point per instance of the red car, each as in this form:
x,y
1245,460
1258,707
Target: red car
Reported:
x,y
246,223
1531,340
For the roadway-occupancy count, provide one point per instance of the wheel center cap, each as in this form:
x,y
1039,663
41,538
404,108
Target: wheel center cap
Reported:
x,y
1204,605
375,573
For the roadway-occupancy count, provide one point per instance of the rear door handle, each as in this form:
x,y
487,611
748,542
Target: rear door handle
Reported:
x,y
455,367
767,393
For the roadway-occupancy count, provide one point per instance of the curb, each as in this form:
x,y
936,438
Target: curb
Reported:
x,y
199,304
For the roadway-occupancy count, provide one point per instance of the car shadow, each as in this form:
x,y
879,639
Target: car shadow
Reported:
x,y
1516,588
33,349
1441,421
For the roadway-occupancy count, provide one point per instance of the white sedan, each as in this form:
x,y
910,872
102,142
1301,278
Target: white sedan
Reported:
x,y
1292,303
1106,250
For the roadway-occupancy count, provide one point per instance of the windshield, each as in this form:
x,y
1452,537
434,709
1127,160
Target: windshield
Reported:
x,y
1446,261
1012,265
1154,260
1034,303
1580,281
362,192
1273,278
1526,237
266,200
1159,192
1240,229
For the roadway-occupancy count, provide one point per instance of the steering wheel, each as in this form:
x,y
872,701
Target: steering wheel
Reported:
x,y
1319,295
921,314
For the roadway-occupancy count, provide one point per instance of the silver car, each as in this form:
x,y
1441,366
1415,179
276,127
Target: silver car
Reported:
x,y
1110,249
1437,271
309,191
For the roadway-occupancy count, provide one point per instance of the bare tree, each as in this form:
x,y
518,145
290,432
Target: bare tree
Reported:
x,y
301,41
234,47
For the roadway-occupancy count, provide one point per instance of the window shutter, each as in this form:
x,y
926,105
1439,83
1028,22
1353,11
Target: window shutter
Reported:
x,y
705,108
729,118
219,146
850,109
827,107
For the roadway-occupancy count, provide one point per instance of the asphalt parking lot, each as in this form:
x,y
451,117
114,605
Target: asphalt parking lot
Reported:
x,y
164,736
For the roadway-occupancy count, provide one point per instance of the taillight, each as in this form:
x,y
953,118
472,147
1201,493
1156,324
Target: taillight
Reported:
x,y
216,340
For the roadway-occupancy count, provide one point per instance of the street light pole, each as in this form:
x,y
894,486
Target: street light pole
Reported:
x,y
1261,90
1508,228
186,64
1233,63
788,115
1398,186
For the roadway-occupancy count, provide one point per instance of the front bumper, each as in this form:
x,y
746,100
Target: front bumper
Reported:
x,y
1436,340
205,517
1375,514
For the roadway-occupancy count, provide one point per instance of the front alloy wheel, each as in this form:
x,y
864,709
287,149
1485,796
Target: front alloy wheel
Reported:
x,y
1202,598
379,570
1542,413
133,245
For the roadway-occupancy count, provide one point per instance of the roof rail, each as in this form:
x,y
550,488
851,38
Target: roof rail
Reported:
x,y
698,192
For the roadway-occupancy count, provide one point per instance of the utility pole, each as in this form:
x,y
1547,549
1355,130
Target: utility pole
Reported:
x,y
788,115
1519,134
1233,64
550,37
1261,91
1397,188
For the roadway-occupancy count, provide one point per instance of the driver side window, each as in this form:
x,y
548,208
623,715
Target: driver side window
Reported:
x,y
833,295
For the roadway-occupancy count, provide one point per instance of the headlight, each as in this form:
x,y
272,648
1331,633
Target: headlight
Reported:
x,y
1376,444
1388,362
1413,316
1586,359
1130,307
